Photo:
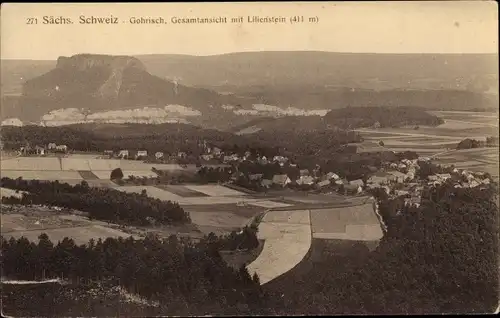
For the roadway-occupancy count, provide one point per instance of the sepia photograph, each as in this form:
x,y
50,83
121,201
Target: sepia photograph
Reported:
x,y
249,159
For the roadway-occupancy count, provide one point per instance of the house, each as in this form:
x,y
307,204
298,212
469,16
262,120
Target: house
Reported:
x,y
339,182
352,188
280,159
215,151
255,177
304,172
379,178
397,176
323,184
443,176
227,159
473,184
62,148
402,192
123,154
281,180
393,165
331,175
109,152
486,181
51,146
266,183
181,154
357,182
263,160
413,201
410,176
305,180
141,153
40,150
206,157
159,155
401,166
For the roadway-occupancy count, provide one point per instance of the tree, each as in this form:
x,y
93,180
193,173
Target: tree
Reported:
x,y
116,174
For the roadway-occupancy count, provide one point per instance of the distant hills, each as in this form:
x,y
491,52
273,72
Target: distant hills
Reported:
x,y
105,83
215,90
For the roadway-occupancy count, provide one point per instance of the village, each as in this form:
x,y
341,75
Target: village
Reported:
x,y
402,178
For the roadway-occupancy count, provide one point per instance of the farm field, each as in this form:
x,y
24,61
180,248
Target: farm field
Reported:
x,y
287,236
4,192
440,142
214,190
182,191
88,175
41,175
33,221
357,223
477,159
31,164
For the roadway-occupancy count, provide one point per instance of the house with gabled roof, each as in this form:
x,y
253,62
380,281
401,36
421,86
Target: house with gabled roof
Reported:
x,y
281,180
266,183
304,172
305,180
322,184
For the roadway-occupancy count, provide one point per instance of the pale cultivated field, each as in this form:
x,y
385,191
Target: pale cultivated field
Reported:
x,y
83,156
286,243
31,163
41,175
212,200
81,234
104,164
216,219
354,233
151,191
102,174
4,192
139,165
269,204
356,223
106,174
215,190
75,164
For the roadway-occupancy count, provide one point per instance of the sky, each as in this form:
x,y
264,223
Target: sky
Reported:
x,y
369,27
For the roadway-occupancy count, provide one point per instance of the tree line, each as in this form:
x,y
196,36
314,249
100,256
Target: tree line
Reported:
x,y
100,203
187,278
441,257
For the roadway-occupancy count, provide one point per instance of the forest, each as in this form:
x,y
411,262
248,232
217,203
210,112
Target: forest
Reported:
x,y
187,278
381,117
100,203
173,138
440,257
469,143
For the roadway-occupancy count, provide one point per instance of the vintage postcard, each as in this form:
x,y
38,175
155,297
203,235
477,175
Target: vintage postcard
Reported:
x,y
274,158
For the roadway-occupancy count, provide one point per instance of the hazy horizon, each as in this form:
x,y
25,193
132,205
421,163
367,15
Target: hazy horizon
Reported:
x,y
244,52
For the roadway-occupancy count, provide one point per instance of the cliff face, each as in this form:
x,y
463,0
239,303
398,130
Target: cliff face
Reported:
x,y
97,75
103,83
82,62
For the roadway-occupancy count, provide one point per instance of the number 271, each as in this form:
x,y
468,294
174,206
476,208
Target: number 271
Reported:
x,y
31,21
